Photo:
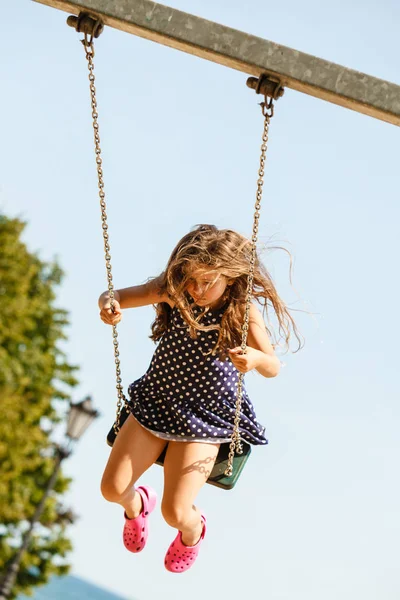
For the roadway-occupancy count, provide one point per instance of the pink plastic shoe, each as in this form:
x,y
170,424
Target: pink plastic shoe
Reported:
x,y
136,530
179,557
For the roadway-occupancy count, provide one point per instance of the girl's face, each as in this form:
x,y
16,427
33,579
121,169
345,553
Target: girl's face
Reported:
x,y
206,287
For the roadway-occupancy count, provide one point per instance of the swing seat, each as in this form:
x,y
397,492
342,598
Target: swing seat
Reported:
x,y
217,476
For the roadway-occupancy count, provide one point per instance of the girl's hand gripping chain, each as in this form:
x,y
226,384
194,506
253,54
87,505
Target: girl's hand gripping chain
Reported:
x,y
107,315
245,362
266,363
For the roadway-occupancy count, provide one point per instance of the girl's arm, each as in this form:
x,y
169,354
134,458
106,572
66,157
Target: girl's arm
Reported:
x,y
131,297
260,353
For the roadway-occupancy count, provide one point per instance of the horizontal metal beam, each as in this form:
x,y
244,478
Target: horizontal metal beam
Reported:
x,y
250,54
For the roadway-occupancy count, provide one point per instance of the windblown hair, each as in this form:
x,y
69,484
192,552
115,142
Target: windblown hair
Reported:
x,y
229,254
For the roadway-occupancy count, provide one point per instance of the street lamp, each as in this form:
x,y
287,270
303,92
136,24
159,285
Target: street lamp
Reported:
x,y
80,417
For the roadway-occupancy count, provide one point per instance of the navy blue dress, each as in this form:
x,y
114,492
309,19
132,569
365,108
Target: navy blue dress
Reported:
x,y
188,394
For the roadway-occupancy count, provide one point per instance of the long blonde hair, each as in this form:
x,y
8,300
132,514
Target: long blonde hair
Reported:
x,y
227,253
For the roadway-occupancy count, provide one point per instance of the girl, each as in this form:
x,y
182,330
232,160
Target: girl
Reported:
x,y
187,397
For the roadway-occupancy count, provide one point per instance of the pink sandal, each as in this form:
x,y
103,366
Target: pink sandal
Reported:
x,y
179,557
136,530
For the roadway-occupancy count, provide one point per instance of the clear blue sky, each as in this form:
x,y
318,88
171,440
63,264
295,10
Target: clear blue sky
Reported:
x,y
316,514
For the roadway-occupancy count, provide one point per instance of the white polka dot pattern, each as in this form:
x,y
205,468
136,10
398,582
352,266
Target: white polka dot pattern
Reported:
x,y
188,394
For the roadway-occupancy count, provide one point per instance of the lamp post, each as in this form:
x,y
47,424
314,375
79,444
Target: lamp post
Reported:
x,y
80,417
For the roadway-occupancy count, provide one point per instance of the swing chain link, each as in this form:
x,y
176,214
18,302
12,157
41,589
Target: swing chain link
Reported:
x,y
89,51
267,108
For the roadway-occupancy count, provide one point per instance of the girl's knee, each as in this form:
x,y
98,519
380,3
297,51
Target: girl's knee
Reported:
x,y
108,490
111,490
175,514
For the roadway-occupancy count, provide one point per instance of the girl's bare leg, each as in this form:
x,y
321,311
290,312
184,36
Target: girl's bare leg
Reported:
x,y
134,451
187,466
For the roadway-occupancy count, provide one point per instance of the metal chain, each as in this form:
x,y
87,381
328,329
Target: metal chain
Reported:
x,y
89,50
268,111
267,108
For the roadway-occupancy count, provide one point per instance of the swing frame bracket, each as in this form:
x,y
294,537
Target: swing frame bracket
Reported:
x,y
86,23
267,85
91,25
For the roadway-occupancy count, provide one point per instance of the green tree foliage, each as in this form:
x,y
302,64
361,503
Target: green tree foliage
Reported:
x,y
35,379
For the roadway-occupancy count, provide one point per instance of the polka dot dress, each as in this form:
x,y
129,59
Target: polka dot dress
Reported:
x,y
188,394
